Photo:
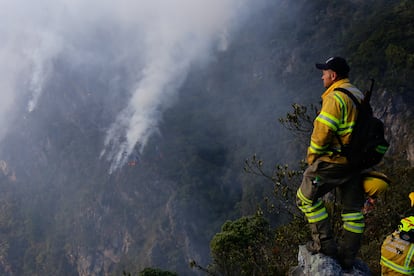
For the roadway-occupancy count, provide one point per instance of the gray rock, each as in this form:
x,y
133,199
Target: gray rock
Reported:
x,y
321,265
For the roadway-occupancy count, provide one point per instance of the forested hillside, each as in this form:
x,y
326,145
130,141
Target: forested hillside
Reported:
x,y
63,211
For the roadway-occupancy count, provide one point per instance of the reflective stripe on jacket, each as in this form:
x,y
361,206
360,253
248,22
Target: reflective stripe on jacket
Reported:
x,y
337,115
397,256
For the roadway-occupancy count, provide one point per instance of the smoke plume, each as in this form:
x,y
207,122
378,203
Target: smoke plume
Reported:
x,y
156,42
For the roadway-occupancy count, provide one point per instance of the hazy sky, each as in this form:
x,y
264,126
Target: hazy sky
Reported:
x,y
155,41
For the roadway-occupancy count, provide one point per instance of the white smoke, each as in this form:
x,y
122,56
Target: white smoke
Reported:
x,y
180,33
28,43
162,38
9,78
41,58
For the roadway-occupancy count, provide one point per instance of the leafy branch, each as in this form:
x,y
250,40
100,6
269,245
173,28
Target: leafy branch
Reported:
x,y
299,122
285,182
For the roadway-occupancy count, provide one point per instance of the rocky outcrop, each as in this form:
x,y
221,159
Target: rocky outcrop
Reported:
x,y
395,109
321,265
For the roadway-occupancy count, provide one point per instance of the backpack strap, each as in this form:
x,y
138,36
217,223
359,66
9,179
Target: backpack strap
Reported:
x,y
354,99
349,94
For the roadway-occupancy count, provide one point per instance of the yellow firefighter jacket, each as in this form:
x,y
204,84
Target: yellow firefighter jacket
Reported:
x,y
397,256
337,115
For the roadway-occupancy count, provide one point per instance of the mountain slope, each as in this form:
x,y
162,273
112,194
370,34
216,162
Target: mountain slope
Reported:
x,y
62,213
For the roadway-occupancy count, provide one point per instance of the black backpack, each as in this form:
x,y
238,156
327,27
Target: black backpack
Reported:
x,y
368,144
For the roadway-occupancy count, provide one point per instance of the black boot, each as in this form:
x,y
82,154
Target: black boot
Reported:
x,y
349,247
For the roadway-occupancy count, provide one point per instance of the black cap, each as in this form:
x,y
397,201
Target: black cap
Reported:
x,y
336,64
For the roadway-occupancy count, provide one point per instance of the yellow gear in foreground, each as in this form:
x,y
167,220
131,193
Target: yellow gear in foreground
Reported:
x,y
375,183
406,224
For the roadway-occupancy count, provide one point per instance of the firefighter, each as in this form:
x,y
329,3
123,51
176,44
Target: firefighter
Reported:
x,y
397,250
329,170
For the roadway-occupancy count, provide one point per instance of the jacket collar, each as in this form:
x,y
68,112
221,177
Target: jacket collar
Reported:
x,y
335,85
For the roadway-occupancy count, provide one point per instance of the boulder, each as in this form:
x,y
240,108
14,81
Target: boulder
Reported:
x,y
320,265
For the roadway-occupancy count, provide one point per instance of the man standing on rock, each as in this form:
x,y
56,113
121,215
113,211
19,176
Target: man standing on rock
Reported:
x,y
328,169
